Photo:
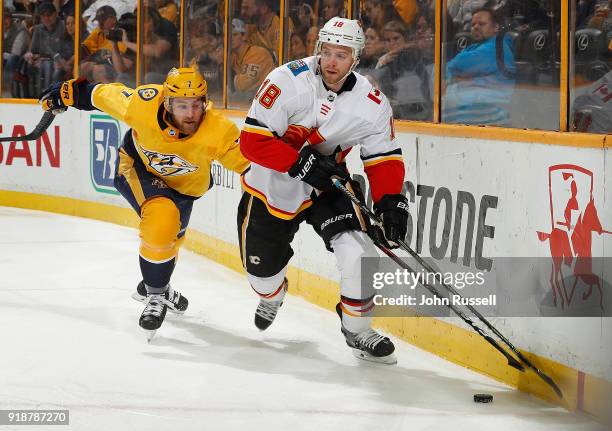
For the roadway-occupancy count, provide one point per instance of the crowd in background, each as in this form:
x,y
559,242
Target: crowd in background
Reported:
x,y
491,48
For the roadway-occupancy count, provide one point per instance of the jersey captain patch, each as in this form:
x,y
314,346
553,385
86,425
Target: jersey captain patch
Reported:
x,y
147,93
168,165
297,67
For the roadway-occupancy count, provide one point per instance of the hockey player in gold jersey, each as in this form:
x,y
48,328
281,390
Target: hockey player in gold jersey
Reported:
x,y
163,166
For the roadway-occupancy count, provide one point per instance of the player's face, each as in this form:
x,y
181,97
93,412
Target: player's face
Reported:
x,y
336,61
187,113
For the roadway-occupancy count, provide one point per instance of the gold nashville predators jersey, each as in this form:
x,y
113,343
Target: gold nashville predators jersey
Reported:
x,y
182,161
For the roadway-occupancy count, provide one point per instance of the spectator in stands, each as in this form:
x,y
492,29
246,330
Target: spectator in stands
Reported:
x,y
205,47
97,47
64,59
461,12
478,91
47,35
16,41
250,63
160,46
601,16
330,9
263,25
584,9
404,72
297,47
106,17
65,8
303,17
10,30
168,10
46,42
124,63
121,7
373,49
376,13
408,9
311,39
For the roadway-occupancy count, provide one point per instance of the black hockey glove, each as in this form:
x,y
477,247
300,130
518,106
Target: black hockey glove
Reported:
x,y
393,210
74,92
316,169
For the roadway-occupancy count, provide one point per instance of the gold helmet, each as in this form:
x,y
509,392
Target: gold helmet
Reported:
x,y
184,82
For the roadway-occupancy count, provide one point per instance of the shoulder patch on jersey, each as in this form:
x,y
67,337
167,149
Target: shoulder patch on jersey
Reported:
x,y
147,93
298,66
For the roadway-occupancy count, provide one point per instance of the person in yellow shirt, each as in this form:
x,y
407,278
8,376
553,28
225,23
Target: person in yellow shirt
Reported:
x,y
163,166
263,25
97,48
98,38
250,63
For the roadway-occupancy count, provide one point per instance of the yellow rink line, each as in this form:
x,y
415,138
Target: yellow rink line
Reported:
x,y
582,391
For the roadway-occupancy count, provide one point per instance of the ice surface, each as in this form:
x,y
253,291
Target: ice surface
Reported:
x,y
69,339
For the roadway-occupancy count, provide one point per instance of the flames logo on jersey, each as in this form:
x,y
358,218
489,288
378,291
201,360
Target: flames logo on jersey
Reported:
x,y
168,165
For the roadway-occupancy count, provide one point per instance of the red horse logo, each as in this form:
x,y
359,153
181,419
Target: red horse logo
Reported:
x,y
573,220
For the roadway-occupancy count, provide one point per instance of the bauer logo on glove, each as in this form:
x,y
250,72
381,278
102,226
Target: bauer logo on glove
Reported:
x,y
66,93
393,210
60,95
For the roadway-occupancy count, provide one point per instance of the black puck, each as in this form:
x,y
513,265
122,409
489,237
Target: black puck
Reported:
x,y
483,398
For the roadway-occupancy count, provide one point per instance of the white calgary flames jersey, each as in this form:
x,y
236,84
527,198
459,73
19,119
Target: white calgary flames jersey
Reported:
x,y
292,108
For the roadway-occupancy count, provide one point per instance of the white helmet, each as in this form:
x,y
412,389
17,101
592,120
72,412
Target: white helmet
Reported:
x,y
344,32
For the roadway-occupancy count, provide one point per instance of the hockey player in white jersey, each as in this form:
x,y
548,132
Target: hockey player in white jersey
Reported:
x,y
304,120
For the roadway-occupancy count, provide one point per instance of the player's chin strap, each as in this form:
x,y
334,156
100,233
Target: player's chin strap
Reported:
x,y
511,360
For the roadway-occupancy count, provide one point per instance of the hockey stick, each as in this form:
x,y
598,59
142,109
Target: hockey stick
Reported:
x,y
40,128
511,360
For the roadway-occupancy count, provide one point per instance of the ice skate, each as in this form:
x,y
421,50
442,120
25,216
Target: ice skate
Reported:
x,y
153,314
176,302
266,310
369,345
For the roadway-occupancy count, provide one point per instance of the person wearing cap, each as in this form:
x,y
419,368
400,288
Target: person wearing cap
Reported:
x,y
106,17
121,7
46,36
46,42
250,63
304,120
163,166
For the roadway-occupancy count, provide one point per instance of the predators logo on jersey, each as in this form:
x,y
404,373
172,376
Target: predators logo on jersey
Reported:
x,y
147,93
168,165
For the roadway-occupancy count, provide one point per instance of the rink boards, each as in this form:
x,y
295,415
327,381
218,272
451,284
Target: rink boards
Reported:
x,y
515,192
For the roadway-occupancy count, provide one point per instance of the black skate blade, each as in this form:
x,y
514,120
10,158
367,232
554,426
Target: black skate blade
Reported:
x,y
150,333
365,356
136,296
